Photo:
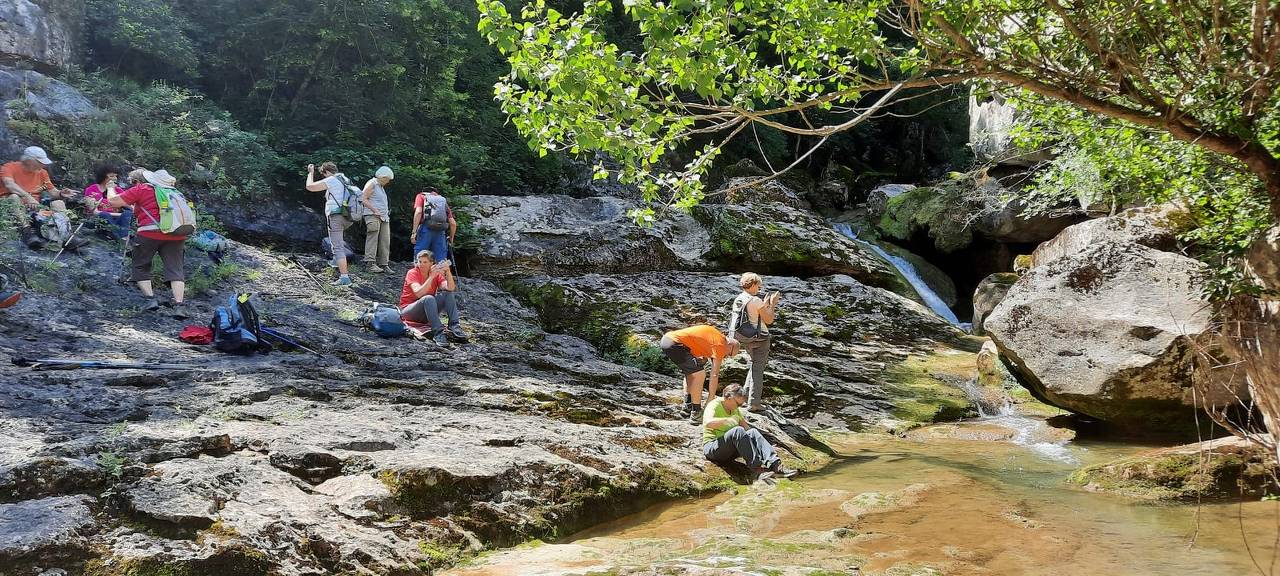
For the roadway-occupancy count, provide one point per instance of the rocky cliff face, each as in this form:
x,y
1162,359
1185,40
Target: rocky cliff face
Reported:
x,y
40,33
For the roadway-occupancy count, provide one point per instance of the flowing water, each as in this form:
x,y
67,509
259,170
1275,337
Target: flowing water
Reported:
x,y
896,507
909,272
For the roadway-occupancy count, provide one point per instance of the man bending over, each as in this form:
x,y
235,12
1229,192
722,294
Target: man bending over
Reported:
x,y
688,348
726,435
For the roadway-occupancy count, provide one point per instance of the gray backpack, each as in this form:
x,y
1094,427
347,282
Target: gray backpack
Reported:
x,y
435,212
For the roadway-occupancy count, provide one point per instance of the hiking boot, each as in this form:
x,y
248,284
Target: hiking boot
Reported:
x,y
75,244
376,269
766,476
695,413
151,305
32,239
179,311
456,334
439,338
782,471
343,280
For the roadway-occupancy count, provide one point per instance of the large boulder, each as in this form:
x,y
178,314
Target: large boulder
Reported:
x,y
44,36
990,291
879,197
48,529
559,235
43,97
266,220
1155,227
1110,332
771,237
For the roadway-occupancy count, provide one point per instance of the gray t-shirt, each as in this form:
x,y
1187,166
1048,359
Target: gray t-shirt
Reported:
x,y
379,200
333,194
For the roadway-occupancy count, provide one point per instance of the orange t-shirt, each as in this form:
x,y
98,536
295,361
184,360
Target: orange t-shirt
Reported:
x,y
26,179
703,341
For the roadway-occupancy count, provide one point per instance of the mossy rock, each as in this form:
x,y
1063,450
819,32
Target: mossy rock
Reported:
x,y
927,389
939,211
1223,468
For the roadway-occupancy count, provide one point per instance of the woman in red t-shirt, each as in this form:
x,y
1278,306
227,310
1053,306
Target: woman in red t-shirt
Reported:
x,y
149,241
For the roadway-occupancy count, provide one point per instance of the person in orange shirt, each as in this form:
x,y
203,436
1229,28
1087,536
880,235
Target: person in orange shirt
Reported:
x,y
21,183
689,348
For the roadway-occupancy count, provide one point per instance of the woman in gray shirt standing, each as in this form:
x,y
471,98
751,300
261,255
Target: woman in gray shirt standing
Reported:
x,y
377,221
749,324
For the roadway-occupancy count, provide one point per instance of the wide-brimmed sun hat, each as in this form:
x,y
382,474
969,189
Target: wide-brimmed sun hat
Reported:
x,y
160,178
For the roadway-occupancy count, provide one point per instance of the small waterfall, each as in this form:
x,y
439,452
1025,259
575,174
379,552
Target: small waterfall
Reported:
x,y
1027,431
908,271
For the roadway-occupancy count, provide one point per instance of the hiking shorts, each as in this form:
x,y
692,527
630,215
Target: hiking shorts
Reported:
x,y
337,225
171,253
681,355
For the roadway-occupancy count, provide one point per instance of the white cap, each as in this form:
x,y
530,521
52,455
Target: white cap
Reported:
x,y
384,172
36,153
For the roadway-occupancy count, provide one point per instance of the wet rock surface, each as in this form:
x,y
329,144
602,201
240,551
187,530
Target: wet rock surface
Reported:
x,y
1226,468
388,456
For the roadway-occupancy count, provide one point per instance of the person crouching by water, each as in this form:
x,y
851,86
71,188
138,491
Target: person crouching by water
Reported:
x,y
688,348
749,324
726,435
428,291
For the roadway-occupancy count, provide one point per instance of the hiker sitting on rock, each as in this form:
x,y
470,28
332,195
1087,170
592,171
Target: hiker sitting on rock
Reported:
x,y
726,435
97,195
688,347
150,240
26,184
428,291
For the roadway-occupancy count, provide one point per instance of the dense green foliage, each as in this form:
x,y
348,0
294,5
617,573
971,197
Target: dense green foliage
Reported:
x,y
407,83
156,126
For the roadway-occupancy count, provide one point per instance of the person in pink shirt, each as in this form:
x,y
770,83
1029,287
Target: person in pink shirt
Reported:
x,y
97,195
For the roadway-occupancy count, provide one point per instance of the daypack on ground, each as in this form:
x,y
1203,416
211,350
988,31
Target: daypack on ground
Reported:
x,y
384,320
176,216
235,327
52,226
209,241
435,211
349,203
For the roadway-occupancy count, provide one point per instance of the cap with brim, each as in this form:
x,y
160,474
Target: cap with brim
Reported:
x,y
36,153
159,178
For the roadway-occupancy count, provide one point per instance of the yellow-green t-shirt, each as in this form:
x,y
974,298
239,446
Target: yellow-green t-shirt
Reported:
x,y
716,410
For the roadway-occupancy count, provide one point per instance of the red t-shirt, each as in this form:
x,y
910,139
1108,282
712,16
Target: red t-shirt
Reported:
x,y
414,276
420,200
143,199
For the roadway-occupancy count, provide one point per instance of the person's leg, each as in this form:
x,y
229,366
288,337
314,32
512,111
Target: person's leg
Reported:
x,y
431,309
372,229
143,250
439,246
757,359
337,225
172,253
448,303
384,245
720,450
752,446
693,386
415,312
126,218
423,242
15,212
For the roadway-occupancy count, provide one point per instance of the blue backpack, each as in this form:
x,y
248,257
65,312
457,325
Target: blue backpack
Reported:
x,y
235,327
385,321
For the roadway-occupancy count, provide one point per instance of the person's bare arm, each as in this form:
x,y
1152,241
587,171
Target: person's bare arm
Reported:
x,y
417,221
449,284
116,202
420,290
453,229
365,199
312,184
716,423
715,370
13,188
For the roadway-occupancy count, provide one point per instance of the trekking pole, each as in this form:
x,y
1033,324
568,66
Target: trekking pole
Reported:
x,y
48,363
453,263
68,241
285,339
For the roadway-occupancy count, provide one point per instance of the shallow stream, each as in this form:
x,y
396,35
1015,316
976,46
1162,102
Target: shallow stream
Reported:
x,y
898,507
